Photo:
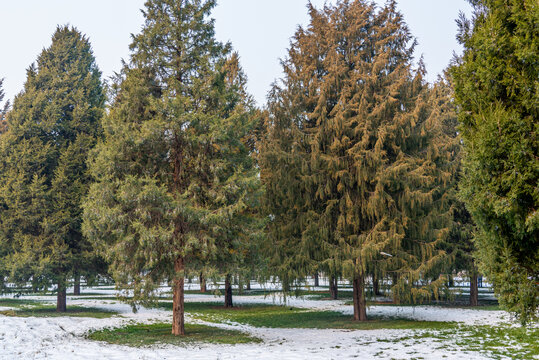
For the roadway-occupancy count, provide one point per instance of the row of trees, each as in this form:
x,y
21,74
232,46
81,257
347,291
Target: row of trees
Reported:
x,y
352,170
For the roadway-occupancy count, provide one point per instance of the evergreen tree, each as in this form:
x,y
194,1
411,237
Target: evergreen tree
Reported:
x,y
3,127
495,84
237,191
174,175
3,109
54,123
352,127
459,243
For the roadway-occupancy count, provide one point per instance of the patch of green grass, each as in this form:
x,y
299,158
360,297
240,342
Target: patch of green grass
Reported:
x,y
493,341
13,302
511,342
50,311
144,335
288,317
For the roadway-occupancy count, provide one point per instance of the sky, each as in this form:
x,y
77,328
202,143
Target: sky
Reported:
x,y
259,30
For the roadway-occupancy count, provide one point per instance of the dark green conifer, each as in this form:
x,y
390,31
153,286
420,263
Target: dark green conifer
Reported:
x,y
54,123
174,175
496,90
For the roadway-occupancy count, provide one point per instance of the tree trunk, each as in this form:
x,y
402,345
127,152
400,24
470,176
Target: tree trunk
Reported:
x,y
286,284
375,286
61,303
360,304
474,293
228,292
178,321
333,288
316,279
248,284
76,285
202,281
394,280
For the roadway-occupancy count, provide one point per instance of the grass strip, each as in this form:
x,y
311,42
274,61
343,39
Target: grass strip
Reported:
x,y
140,335
272,316
50,311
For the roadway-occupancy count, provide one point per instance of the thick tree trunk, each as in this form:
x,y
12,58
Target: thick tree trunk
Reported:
x,y
61,303
316,279
76,285
333,288
228,292
474,292
202,281
360,304
248,284
178,320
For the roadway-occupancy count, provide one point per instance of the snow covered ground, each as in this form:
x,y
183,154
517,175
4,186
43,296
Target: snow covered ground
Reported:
x,y
63,337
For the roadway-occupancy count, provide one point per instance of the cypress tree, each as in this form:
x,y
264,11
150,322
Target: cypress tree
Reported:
x,y
495,84
459,242
364,172
173,176
235,196
54,123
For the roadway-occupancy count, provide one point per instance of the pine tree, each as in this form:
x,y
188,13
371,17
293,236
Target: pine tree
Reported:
x,y
173,176
364,175
495,84
54,123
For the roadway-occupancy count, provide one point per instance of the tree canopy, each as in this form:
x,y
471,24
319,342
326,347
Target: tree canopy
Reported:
x,y
54,123
354,175
174,176
496,84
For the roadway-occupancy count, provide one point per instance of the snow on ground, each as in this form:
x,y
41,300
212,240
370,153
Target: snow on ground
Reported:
x,y
63,337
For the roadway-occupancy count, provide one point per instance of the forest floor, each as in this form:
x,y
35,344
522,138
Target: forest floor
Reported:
x,y
262,325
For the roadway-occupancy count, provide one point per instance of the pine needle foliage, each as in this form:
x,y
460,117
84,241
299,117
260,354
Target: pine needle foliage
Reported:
x,y
54,123
496,90
174,177
352,164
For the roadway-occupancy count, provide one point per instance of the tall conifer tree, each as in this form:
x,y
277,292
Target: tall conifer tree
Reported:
x,y
459,243
236,193
3,127
496,89
352,128
3,109
54,123
174,175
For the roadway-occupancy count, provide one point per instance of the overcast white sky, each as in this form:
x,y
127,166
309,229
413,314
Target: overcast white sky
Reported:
x,y
260,30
